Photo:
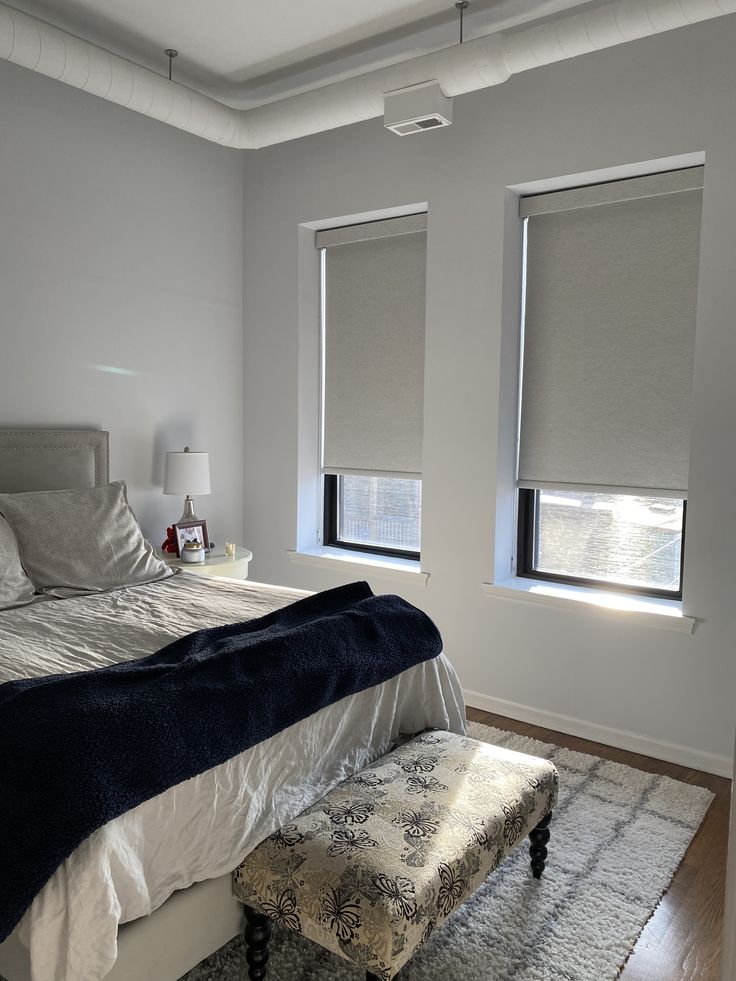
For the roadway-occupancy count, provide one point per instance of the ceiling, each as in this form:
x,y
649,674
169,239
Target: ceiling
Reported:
x,y
245,53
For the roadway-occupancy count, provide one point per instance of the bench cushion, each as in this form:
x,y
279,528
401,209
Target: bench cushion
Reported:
x,y
371,870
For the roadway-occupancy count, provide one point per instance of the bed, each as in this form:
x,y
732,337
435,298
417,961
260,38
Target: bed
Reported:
x,y
153,887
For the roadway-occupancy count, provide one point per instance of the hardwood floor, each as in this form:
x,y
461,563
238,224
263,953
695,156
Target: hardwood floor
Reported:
x,y
682,940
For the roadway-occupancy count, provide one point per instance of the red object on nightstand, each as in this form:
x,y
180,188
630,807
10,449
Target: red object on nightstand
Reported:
x,y
170,544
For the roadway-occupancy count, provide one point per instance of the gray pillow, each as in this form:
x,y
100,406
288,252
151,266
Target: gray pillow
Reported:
x,y
73,542
16,589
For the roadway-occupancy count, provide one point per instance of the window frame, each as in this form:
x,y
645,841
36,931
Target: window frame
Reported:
x,y
527,522
330,527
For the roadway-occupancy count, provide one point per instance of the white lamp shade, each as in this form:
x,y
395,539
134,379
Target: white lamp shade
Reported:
x,y
187,473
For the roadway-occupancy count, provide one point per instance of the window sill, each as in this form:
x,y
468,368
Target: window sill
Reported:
x,y
647,610
362,563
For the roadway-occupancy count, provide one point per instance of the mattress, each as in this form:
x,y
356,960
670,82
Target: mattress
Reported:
x,y
202,828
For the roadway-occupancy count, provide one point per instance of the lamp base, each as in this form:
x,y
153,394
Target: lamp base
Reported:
x,y
188,512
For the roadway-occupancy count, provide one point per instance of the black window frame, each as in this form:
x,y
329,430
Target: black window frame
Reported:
x,y
331,497
527,524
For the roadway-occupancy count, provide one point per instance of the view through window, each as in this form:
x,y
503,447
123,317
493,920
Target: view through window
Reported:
x,y
613,538
384,512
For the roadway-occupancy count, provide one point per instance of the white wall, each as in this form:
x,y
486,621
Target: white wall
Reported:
x,y
648,100
121,245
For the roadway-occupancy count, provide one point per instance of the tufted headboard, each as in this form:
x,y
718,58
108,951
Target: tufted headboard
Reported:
x,y
52,459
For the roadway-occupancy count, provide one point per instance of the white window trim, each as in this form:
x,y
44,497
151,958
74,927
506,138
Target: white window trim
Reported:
x,y
626,607
387,567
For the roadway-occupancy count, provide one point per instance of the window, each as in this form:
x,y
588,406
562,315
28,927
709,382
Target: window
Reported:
x,y
611,280
603,539
373,286
374,514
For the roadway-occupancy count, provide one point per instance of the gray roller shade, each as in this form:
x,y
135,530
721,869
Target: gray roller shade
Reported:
x,y
345,234
611,294
375,277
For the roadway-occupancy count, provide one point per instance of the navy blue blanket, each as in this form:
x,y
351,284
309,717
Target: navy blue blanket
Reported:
x,y
78,750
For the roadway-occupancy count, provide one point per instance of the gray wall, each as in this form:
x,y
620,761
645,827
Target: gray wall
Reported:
x,y
635,684
121,245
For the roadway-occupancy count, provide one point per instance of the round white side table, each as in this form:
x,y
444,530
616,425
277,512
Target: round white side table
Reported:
x,y
216,563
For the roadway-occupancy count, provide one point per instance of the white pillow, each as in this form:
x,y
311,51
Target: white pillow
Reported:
x,y
16,589
73,542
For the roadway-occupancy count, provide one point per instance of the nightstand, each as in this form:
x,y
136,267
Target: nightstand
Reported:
x,y
216,563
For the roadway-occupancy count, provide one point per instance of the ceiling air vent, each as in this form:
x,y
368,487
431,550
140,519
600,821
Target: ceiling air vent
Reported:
x,y
416,108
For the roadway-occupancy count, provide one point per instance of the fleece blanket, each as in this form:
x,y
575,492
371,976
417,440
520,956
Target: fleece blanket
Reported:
x,y
78,750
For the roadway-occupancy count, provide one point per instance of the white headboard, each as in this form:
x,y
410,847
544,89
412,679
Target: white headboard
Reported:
x,y
52,459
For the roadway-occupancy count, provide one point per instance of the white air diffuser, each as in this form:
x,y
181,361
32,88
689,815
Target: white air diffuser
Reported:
x,y
416,109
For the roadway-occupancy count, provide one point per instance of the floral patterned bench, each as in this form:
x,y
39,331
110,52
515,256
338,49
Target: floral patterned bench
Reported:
x,y
375,867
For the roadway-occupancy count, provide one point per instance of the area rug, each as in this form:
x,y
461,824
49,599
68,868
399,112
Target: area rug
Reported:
x,y
618,835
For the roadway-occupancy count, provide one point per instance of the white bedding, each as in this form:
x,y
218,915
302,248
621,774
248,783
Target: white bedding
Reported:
x,y
203,827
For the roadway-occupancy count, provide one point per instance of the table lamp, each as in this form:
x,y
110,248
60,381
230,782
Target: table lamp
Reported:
x,y
187,473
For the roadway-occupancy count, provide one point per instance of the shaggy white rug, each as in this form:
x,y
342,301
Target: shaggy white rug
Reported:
x,y
618,835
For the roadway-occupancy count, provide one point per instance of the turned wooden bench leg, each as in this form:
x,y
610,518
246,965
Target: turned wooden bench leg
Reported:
x,y
539,837
257,933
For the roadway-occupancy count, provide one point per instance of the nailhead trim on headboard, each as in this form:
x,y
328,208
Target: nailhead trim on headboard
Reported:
x,y
96,439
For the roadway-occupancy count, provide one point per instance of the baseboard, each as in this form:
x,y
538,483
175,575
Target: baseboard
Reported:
x,y
634,742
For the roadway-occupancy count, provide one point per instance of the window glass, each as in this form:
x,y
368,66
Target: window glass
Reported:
x,y
612,537
380,511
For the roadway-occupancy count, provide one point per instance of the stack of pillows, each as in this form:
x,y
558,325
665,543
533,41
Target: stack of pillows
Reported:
x,y
72,543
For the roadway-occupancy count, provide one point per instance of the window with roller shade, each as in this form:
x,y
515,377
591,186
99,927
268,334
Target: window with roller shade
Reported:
x,y
610,301
373,285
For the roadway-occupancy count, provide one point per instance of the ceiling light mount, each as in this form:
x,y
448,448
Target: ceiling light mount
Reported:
x,y
171,53
462,6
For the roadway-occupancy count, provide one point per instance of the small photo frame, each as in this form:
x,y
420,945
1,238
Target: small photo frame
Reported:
x,y
190,531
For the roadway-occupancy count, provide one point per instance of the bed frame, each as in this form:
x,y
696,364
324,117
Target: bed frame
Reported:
x,y
195,922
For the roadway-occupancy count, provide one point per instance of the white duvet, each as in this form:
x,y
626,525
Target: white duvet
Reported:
x,y
201,828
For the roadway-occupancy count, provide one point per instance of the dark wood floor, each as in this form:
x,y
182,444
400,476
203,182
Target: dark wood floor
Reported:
x,y
682,940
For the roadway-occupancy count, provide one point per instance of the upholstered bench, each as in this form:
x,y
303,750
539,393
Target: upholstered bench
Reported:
x,y
377,865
